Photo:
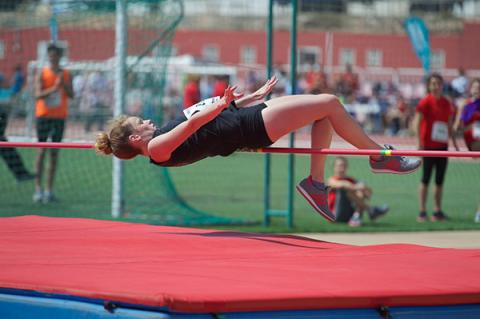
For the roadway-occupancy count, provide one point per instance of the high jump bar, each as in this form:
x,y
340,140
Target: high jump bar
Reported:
x,y
276,150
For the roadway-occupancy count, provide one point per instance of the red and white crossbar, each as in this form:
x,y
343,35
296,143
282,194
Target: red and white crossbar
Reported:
x,y
276,150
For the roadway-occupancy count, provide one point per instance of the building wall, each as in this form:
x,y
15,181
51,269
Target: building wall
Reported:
x,y
396,49
461,49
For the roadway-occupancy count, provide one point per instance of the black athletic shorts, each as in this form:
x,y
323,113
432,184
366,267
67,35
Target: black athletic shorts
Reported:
x,y
48,127
253,127
440,166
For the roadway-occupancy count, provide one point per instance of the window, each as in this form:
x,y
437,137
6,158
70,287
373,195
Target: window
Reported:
x,y
437,59
210,53
347,56
2,49
248,55
374,57
309,56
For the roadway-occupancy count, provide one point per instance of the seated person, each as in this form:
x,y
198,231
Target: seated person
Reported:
x,y
348,198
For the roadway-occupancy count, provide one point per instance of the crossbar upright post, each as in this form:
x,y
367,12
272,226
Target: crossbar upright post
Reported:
x,y
119,92
268,212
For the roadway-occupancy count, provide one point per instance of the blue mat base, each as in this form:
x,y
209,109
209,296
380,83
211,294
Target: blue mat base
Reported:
x,y
23,305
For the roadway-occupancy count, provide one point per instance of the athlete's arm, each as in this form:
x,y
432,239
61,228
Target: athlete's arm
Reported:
x,y
258,95
161,147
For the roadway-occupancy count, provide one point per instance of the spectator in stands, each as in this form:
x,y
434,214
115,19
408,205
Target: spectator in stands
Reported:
x,y
460,84
53,87
220,85
18,80
317,81
253,81
397,116
206,86
283,82
95,100
347,85
191,91
8,95
348,198
468,121
434,124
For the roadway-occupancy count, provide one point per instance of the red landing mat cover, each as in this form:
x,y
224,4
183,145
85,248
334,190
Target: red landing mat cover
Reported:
x,y
198,270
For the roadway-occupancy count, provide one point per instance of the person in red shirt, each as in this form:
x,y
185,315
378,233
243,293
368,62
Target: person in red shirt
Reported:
x,y
220,85
347,85
468,120
434,121
191,92
348,198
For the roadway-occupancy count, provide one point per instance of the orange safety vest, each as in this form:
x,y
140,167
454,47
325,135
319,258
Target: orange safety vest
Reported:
x,y
54,105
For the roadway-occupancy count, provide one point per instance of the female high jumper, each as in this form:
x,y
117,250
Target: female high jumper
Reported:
x,y
222,125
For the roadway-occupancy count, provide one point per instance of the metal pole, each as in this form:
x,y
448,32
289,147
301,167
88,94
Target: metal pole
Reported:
x,y
267,160
119,95
293,83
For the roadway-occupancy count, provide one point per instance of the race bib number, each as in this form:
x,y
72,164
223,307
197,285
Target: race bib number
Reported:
x,y
53,100
440,132
200,106
476,130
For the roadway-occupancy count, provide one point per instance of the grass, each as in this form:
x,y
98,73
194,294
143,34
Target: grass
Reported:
x,y
233,187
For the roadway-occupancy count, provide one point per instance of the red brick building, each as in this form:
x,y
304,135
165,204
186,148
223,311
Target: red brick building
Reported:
x,y
450,51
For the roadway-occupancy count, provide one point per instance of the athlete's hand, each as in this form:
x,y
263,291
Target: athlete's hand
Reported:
x,y
262,92
228,96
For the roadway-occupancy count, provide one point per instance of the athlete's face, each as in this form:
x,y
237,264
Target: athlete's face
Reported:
x,y
475,89
142,129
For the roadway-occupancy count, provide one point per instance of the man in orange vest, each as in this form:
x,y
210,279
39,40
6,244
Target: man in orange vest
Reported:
x,y
53,87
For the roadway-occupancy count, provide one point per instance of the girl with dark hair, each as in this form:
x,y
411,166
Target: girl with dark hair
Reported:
x,y
434,121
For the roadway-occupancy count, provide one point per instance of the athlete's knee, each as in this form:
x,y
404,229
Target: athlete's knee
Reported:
x,y
328,98
331,101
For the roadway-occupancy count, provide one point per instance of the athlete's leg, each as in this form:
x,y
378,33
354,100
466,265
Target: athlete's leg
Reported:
x,y
288,113
321,138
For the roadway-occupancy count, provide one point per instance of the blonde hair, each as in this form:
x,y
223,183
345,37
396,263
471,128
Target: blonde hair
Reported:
x,y
116,142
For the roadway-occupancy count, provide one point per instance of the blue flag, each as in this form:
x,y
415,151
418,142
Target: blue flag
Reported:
x,y
53,26
418,33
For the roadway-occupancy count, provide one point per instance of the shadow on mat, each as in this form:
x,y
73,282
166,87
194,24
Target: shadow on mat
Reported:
x,y
275,239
